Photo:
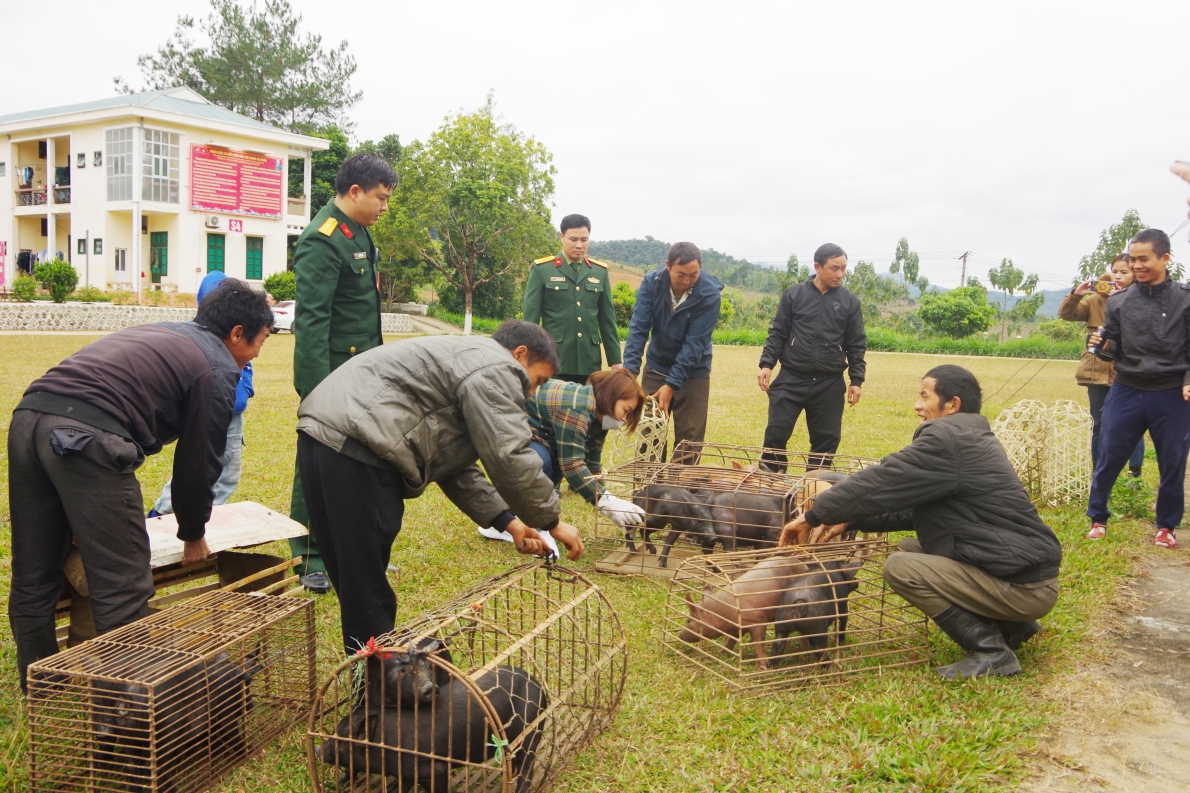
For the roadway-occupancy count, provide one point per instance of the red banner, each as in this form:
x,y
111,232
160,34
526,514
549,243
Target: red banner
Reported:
x,y
238,182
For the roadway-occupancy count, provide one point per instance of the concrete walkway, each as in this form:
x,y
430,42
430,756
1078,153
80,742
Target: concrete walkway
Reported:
x,y
432,326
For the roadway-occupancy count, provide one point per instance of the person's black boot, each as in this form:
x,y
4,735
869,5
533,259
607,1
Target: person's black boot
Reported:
x,y
316,582
987,653
1017,633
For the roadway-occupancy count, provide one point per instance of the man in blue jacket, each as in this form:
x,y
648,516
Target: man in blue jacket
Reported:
x,y
233,456
677,308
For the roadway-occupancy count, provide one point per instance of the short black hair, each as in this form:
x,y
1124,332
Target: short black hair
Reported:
x,y
514,333
232,302
367,171
1156,238
952,381
575,222
828,251
683,253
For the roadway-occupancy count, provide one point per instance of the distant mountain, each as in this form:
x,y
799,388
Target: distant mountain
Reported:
x,y
650,253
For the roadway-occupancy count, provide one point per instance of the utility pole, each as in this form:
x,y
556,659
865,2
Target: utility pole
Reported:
x,y
963,282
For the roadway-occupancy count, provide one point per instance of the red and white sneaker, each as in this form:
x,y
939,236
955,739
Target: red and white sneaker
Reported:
x,y
1165,539
1097,531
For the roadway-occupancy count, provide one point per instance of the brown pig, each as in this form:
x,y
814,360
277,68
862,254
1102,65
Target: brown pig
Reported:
x,y
749,605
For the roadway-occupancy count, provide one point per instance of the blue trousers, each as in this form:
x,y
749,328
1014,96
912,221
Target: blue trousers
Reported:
x,y
229,480
548,464
1127,413
1096,394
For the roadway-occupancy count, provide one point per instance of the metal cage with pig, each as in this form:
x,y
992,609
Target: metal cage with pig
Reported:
x,y
498,690
760,620
725,502
173,702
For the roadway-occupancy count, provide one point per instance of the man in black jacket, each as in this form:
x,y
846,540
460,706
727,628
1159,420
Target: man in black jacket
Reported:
x,y
81,431
1147,330
817,333
983,566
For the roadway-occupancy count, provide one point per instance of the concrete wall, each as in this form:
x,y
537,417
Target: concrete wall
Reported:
x,y
105,317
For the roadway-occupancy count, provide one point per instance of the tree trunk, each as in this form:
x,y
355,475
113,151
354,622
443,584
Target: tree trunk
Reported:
x,y
467,311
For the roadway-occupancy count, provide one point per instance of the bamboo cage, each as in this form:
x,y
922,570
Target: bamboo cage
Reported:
x,y
647,443
1049,446
172,702
497,690
817,613
726,500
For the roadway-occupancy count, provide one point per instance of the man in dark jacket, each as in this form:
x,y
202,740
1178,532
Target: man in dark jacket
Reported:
x,y
1146,328
78,436
677,308
817,333
983,566
385,425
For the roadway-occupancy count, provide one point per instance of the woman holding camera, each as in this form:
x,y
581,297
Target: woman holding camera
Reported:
x,y
1087,302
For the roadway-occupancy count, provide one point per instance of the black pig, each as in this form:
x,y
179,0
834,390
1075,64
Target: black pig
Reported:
x,y
814,601
677,508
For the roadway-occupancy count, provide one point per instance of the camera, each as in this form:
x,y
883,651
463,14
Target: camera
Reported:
x,y
1105,287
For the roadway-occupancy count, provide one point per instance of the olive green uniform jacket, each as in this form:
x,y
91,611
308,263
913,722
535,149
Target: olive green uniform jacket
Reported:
x,y
576,310
337,317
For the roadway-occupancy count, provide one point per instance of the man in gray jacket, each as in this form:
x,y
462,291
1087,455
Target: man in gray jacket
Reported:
x,y
982,566
384,425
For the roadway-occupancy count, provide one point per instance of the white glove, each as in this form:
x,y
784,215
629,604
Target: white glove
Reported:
x,y
623,513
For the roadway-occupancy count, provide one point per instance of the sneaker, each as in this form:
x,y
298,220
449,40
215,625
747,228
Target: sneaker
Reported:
x,y
1165,539
1134,473
1097,531
493,534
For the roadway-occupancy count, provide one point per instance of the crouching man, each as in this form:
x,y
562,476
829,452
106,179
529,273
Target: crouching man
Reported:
x,y
81,431
983,566
392,420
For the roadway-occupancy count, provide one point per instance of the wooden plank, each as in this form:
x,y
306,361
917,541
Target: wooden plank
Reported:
x,y
239,525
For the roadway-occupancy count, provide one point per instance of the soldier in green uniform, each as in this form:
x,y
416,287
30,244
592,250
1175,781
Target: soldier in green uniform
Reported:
x,y
571,297
338,304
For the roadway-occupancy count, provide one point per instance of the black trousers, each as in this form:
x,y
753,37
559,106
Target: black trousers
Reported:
x,y
69,481
687,410
355,513
822,399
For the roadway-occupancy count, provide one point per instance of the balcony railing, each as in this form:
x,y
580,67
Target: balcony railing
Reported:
x,y
295,206
62,195
31,197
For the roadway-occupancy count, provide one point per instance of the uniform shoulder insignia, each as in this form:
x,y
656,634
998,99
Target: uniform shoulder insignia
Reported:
x,y
543,260
596,261
328,226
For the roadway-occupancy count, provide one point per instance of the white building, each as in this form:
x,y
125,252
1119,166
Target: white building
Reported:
x,y
163,183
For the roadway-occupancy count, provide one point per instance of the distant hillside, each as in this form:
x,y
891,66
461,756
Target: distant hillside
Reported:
x,y
650,253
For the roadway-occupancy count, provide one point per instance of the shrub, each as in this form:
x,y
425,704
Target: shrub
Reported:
x,y
184,299
957,313
58,277
24,288
155,297
624,302
726,311
1061,330
282,285
123,297
90,294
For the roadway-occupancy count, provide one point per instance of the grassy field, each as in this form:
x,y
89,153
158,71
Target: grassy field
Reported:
x,y
904,730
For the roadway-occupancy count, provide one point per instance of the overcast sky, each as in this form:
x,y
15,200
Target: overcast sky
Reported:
x,y
758,129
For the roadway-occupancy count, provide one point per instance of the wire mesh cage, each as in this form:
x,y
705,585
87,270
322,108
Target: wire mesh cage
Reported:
x,y
647,443
498,690
810,614
727,499
174,701
1049,446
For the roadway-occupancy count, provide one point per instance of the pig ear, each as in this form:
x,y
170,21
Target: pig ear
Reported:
x,y
364,724
736,465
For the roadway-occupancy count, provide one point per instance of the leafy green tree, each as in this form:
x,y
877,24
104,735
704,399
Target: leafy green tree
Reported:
x,y
282,285
958,313
324,167
794,274
1112,242
908,264
387,148
1010,279
873,289
474,201
726,311
58,277
257,63
624,302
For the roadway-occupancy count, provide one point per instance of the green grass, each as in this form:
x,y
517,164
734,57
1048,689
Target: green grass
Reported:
x,y
903,730
478,324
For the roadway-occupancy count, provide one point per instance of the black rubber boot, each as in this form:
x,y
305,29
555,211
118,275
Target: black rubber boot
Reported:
x,y
1017,633
987,653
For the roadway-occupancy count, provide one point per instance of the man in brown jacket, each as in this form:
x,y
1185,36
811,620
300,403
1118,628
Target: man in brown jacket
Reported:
x,y
1087,304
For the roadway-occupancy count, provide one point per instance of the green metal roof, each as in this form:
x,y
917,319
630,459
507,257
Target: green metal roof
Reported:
x,y
181,101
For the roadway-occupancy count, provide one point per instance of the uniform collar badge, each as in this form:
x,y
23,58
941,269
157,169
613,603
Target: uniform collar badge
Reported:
x,y
558,262
346,231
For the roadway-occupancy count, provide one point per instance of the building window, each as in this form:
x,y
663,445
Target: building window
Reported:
x,y
118,144
214,253
160,164
255,269
121,260
159,255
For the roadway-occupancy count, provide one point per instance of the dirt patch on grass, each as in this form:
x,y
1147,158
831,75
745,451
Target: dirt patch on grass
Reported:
x,y
1127,720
